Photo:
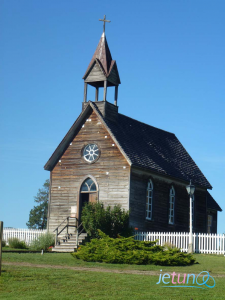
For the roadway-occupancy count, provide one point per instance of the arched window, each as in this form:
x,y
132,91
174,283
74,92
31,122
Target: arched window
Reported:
x,y
88,186
171,205
149,197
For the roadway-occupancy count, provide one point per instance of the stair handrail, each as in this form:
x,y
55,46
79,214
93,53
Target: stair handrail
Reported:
x,y
79,233
66,226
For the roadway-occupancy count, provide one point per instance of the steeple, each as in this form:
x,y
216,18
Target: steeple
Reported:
x,y
102,70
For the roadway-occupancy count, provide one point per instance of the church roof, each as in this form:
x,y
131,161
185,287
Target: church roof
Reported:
x,y
144,146
211,203
103,56
151,148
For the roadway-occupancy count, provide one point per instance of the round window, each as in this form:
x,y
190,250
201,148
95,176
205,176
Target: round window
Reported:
x,y
91,152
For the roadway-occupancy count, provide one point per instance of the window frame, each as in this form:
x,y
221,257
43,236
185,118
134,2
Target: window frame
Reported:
x,y
86,184
83,155
209,223
149,200
171,213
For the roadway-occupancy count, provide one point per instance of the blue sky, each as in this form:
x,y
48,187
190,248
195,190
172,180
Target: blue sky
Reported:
x,y
170,56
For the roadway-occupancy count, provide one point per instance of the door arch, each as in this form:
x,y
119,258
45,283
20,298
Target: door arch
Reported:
x,y
88,192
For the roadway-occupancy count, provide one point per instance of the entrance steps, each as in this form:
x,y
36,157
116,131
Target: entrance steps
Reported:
x,y
68,243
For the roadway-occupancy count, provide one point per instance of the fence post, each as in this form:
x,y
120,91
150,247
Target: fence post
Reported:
x,y
1,231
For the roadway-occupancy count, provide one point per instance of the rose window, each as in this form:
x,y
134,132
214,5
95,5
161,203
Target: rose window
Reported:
x,y
91,152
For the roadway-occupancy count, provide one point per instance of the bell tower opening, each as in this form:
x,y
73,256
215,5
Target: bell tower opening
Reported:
x,y
102,72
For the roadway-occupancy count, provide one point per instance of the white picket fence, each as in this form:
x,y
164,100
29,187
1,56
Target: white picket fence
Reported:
x,y
26,235
202,242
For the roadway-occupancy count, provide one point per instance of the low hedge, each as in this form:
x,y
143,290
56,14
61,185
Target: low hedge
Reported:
x,y
130,251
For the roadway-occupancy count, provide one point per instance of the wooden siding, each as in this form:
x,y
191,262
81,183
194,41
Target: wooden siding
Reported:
x,y
160,211
111,111
107,109
73,169
212,213
96,74
114,77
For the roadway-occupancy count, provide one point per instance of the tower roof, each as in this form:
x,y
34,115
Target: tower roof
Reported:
x,y
104,58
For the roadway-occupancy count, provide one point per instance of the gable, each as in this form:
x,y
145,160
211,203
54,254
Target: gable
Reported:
x,y
114,74
79,124
93,132
95,73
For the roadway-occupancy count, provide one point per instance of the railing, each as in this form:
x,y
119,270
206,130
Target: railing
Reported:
x,y
202,242
79,230
26,235
65,225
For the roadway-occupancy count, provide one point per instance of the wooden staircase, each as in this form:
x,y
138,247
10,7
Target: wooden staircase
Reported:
x,y
69,243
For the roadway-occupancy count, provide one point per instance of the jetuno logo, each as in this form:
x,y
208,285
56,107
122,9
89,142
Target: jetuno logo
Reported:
x,y
200,281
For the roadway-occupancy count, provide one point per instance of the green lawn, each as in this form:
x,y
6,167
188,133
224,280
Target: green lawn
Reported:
x,y
7,248
19,282
215,264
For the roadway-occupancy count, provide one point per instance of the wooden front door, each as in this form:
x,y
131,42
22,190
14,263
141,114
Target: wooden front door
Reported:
x,y
93,197
85,198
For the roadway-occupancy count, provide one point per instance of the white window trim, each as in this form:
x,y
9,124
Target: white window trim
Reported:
x,y
171,201
149,198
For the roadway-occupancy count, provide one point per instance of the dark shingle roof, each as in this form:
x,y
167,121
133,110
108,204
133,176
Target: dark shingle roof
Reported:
x,y
211,203
155,149
143,145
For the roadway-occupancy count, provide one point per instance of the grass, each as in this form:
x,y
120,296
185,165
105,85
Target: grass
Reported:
x,y
7,248
31,283
215,264
19,282
27,250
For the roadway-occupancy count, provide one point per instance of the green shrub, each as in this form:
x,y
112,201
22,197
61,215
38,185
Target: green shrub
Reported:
x,y
130,251
3,243
44,241
15,243
112,221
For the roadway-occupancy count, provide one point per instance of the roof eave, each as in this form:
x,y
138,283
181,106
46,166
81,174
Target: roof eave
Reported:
x,y
72,133
170,176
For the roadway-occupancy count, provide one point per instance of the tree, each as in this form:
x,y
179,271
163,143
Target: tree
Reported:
x,y
38,214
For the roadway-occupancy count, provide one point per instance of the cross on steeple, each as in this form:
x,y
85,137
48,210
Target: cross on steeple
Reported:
x,y
104,20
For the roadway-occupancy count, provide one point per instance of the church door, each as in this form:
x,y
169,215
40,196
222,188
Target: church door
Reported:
x,y
88,193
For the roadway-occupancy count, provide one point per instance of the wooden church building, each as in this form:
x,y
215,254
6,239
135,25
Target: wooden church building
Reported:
x,y
109,157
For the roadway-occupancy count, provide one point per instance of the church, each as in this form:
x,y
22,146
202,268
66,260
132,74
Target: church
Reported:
x,y
109,157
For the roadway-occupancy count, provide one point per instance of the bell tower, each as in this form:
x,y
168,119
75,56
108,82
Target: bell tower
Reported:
x,y
102,72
